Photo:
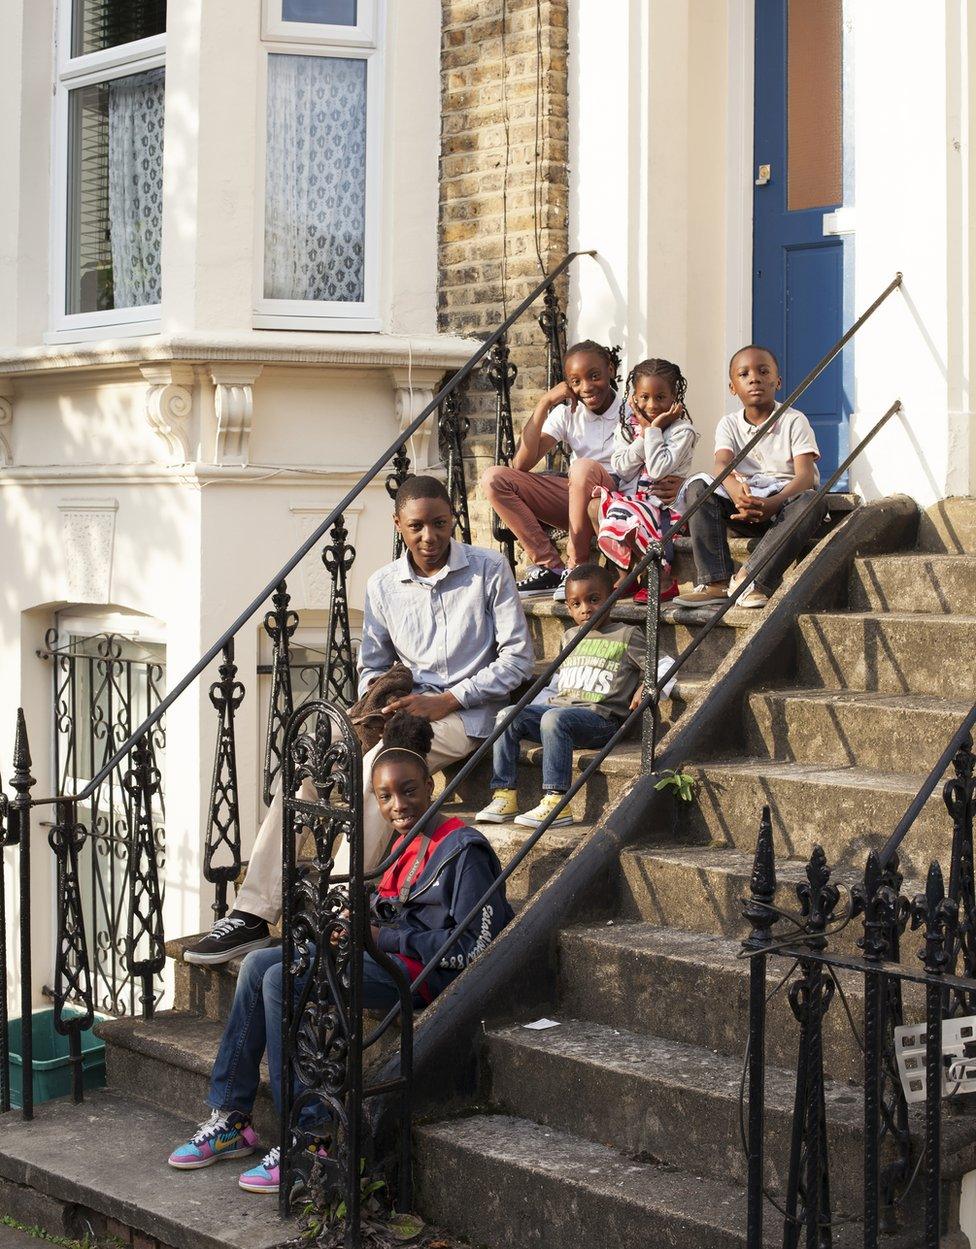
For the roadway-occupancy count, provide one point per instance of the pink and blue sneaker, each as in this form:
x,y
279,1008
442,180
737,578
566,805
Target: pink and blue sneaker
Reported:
x,y
226,1134
266,1176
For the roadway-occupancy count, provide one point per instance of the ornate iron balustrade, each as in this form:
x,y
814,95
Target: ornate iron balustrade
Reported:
x,y
129,757
894,1160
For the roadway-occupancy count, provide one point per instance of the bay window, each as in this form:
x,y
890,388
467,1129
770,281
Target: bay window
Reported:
x,y
109,151
318,235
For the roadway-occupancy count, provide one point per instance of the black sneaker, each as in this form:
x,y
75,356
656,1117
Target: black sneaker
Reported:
x,y
540,581
230,937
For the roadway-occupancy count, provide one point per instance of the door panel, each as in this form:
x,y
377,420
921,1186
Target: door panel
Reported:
x,y
800,275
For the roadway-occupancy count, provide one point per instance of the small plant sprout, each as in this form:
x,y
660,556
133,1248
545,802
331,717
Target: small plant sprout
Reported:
x,y
680,782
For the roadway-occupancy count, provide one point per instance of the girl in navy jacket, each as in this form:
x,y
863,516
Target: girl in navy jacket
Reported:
x,y
420,898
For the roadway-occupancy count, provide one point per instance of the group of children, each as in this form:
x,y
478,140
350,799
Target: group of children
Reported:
x,y
452,614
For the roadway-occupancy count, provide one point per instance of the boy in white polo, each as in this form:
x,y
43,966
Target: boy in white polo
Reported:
x,y
765,495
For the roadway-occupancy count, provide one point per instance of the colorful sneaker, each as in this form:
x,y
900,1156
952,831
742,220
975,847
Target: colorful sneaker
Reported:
x,y
230,937
533,818
225,1134
540,581
669,592
266,1176
502,809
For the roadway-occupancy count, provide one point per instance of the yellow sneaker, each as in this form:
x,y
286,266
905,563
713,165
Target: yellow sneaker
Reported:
x,y
533,818
502,809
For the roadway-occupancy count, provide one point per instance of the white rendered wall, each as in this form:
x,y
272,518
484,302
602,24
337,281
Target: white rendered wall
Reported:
x,y
661,118
194,540
920,346
653,184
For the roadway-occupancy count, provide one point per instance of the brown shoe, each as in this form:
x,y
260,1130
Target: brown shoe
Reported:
x,y
701,596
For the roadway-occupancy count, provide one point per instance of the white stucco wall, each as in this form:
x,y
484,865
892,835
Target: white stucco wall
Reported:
x,y
661,184
193,540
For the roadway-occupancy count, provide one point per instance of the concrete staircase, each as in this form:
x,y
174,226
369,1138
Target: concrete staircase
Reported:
x,y
621,1123
620,1126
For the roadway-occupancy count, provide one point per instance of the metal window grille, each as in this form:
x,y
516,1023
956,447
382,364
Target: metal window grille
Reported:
x,y
103,686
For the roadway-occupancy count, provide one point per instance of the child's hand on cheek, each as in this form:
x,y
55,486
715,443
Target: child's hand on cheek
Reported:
x,y
665,419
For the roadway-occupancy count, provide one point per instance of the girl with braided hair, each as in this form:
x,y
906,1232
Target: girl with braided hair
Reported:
x,y
654,439
580,413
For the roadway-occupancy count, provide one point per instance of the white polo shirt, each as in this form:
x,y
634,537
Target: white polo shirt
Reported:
x,y
588,436
774,454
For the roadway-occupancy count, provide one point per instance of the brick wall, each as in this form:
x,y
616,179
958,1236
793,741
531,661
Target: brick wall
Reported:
x,y
503,184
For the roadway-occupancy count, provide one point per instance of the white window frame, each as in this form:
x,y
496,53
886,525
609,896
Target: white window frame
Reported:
x,y
351,43
73,72
363,34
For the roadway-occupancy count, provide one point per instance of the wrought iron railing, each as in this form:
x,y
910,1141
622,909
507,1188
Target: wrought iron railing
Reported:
x,y
331,888
132,759
102,685
893,1161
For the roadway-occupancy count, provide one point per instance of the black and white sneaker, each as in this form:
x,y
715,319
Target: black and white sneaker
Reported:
x,y
540,581
236,934
559,594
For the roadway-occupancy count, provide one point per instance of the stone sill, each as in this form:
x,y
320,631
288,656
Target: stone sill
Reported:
x,y
270,347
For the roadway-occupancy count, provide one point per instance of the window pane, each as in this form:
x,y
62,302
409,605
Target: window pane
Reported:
x,y
115,193
326,12
814,104
97,24
315,197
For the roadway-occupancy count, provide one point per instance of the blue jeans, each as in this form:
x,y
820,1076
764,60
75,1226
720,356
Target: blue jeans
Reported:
x,y
560,729
254,1025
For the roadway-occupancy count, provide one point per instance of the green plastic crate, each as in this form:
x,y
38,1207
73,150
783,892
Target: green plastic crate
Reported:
x,y
52,1064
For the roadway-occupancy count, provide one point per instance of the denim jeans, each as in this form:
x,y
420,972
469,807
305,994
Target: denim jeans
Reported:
x,y
254,1025
709,541
560,729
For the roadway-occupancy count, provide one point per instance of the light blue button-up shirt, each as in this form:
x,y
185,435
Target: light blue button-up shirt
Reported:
x,y
462,630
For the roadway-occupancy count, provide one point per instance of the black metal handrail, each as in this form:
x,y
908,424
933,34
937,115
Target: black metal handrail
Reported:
x,y
648,705
456,380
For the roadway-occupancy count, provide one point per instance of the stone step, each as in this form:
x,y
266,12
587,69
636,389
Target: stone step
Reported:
x,y
893,653
848,811
949,525
679,626
940,584
167,1062
702,888
692,988
504,1181
885,732
108,1156
679,1103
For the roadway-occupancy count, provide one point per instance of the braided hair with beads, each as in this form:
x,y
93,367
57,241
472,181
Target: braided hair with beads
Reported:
x,y
651,368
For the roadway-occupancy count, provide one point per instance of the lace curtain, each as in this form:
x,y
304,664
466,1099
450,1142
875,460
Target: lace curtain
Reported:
x,y
135,186
315,193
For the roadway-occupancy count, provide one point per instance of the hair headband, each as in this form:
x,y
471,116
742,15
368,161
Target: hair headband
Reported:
x,y
404,750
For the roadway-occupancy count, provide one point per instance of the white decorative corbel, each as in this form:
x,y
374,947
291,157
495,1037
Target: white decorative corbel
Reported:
x,y
413,390
234,408
169,402
6,420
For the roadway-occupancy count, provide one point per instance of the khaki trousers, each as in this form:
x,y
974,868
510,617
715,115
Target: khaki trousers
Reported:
x,y
260,891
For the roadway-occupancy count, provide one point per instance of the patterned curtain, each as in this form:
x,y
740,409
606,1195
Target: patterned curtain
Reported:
x,y
135,186
315,194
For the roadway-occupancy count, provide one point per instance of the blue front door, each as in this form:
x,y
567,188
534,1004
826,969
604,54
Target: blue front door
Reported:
x,y
801,275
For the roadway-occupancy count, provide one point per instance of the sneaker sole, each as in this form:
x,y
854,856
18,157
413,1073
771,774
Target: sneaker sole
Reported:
x,y
482,818
271,1189
224,956
526,822
535,593
208,1162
